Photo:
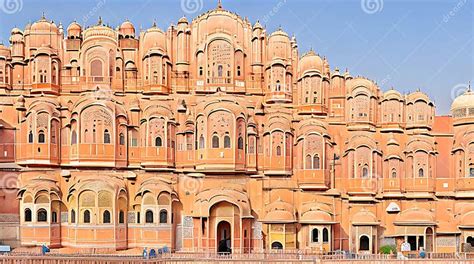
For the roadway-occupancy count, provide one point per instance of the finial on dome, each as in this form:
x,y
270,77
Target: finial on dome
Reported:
x,y
43,16
219,4
154,23
469,86
99,23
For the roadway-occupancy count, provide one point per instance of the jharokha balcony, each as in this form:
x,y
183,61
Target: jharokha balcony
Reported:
x,y
362,186
314,179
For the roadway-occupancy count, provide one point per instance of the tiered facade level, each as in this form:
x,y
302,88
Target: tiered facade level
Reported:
x,y
216,136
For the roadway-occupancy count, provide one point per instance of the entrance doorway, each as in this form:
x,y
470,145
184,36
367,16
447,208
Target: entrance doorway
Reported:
x,y
429,239
277,245
224,237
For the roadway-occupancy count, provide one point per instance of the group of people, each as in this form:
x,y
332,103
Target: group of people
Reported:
x,y
405,249
154,253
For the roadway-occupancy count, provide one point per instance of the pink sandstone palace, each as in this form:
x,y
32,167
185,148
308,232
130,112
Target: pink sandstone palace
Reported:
x,y
217,136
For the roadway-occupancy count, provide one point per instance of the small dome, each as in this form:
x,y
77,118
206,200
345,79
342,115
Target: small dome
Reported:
x,y
392,94
279,212
16,31
279,32
465,100
418,95
127,29
183,20
74,29
99,30
154,38
310,61
415,215
463,106
43,25
257,25
336,72
316,217
278,45
364,217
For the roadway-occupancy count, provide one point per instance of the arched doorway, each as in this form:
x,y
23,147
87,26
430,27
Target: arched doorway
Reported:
x,y
364,243
277,245
224,237
429,239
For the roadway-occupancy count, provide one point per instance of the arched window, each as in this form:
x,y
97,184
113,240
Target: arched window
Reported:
x,y
226,141
96,68
41,137
471,172
73,137
365,172
87,216
315,235
325,235
215,141
240,143
121,139
155,77
41,215
316,162
158,142
121,217
278,150
470,240
201,142
238,71
54,217
86,136
27,215
200,71
30,137
106,217
364,243
277,245
421,173
73,216
251,145
163,216
219,71
53,75
149,216
42,76
278,86
308,164
106,137
394,174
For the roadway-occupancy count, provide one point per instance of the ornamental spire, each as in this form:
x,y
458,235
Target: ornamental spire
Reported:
x,y
219,4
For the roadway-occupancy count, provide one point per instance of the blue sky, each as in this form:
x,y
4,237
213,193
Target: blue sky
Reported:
x,y
408,45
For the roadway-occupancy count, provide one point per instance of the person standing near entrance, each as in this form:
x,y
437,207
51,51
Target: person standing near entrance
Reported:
x,y
405,248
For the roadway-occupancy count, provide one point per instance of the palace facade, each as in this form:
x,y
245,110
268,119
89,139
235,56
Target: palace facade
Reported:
x,y
216,136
